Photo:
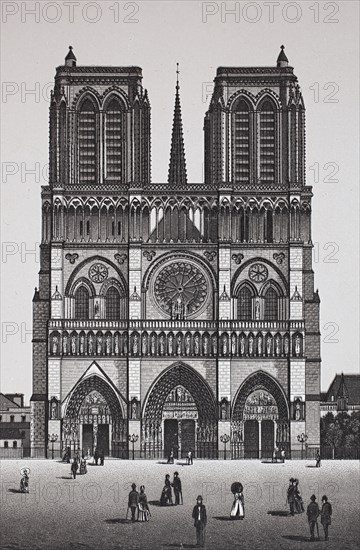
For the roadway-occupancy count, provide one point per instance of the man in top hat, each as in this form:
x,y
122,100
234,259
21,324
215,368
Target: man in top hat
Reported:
x,y
326,513
177,487
200,520
313,512
133,501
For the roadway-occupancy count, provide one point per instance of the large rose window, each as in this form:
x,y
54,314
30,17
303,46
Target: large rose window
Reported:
x,y
180,289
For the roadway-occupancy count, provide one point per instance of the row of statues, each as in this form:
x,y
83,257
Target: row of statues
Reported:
x,y
171,344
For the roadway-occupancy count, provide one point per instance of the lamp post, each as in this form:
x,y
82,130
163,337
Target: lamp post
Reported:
x,y
52,438
302,439
225,439
133,438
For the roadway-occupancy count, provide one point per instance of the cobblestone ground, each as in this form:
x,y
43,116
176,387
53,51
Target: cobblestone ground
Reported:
x,y
90,512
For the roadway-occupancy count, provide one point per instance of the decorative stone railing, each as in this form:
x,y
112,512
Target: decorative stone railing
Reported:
x,y
176,338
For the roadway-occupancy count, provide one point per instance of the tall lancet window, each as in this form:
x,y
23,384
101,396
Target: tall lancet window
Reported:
x,y
267,142
241,134
113,140
87,142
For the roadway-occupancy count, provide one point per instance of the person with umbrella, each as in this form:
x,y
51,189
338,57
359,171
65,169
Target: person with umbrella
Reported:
x,y
238,507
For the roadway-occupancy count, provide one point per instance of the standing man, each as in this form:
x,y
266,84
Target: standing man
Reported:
x,y
291,495
283,456
313,512
96,457
326,513
190,458
200,520
74,467
177,488
318,458
133,501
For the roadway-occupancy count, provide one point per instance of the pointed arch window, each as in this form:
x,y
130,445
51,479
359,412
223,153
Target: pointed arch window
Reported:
x,y
271,306
62,142
241,137
82,303
267,142
87,142
245,304
112,303
113,140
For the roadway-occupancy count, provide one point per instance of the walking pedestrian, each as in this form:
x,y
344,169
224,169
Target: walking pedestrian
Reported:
x,y
291,495
133,501
200,520
313,512
74,467
102,458
24,481
96,457
318,458
189,457
283,456
166,494
171,457
177,488
298,501
326,513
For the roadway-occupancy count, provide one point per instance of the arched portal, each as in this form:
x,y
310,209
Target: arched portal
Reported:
x,y
180,414
94,420
260,418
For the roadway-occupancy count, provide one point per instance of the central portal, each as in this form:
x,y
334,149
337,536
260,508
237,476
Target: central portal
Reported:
x,y
179,422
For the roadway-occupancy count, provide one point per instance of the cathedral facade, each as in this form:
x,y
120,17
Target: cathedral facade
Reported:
x,y
176,316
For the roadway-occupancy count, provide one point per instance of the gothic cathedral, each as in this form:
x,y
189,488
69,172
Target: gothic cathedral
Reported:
x,y
176,316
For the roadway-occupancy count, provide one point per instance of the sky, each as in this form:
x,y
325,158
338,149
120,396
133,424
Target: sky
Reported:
x,y
321,41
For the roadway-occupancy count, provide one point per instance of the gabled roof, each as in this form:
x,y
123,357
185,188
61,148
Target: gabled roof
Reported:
x,y
347,386
6,403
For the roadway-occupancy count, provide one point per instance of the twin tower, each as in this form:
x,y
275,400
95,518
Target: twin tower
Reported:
x,y
177,315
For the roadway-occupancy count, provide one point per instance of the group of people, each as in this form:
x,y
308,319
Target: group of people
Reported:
x,y
278,454
137,502
313,511
189,457
166,494
78,466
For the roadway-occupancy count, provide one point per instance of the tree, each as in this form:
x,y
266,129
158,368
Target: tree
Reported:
x,y
334,436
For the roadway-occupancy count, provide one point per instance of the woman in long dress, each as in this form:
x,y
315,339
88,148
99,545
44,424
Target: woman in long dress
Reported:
x,y
299,505
238,507
83,468
144,512
166,496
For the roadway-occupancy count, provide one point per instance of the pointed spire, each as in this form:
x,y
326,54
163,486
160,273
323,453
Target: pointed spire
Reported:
x,y
70,59
282,60
342,391
177,166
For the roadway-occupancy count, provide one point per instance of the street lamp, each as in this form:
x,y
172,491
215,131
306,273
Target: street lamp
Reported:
x,y
52,438
302,439
133,438
225,439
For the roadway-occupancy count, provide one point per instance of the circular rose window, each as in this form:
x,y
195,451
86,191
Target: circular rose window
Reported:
x,y
180,286
98,273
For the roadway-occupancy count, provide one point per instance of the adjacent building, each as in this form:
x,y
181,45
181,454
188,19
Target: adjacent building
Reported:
x,y
14,426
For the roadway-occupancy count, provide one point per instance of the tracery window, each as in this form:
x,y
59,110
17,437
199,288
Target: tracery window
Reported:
x,y
271,309
267,142
112,301
241,129
113,139
87,142
245,304
82,303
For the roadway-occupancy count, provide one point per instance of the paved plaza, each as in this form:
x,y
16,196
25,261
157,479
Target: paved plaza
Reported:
x,y
90,512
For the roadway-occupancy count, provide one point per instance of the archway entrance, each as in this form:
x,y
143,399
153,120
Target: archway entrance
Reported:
x,y
93,420
260,419
180,415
